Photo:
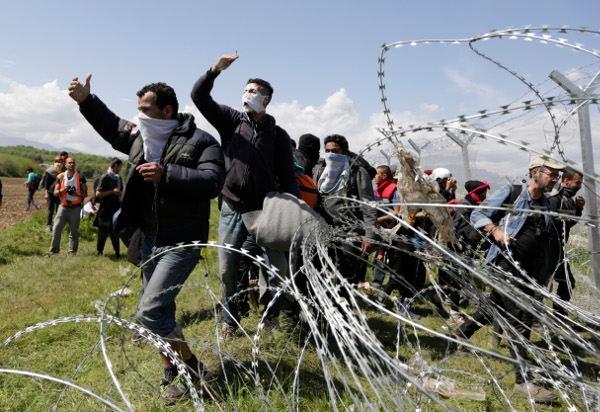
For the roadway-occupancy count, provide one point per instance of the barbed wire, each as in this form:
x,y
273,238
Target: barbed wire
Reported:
x,y
373,354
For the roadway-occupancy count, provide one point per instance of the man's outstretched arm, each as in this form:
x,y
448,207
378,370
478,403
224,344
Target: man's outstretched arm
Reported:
x,y
79,92
223,63
114,130
221,117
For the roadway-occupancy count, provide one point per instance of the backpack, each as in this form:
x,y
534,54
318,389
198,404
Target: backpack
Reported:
x,y
36,182
308,190
475,237
515,192
97,183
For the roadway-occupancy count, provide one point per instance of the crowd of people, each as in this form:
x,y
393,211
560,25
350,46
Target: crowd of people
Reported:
x,y
174,169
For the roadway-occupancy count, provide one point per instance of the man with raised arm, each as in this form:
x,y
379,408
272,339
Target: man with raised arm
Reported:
x,y
259,160
174,170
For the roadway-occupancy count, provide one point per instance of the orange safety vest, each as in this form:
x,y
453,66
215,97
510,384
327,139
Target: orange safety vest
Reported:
x,y
63,196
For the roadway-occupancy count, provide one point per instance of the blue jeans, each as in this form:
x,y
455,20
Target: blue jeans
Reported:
x,y
233,231
378,270
156,310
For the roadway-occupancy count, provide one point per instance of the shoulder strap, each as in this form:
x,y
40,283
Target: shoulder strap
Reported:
x,y
515,192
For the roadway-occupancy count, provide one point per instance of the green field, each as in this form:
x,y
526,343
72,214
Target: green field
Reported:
x,y
14,161
37,289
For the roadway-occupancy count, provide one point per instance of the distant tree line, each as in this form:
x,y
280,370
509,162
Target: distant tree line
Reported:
x,y
14,161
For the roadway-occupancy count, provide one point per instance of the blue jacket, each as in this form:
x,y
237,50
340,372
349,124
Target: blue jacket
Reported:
x,y
511,223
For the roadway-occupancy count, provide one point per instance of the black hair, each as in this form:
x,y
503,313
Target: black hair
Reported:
x,y
338,139
385,169
115,161
265,85
571,174
165,95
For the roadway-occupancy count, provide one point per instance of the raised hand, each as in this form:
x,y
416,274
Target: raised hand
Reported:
x,y
79,92
224,62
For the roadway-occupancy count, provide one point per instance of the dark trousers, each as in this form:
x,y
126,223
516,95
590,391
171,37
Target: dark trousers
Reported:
x,y
53,203
103,234
351,266
566,284
30,194
408,273
248,270
514,314
451,288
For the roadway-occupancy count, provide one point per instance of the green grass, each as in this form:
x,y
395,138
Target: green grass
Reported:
x,y
36,289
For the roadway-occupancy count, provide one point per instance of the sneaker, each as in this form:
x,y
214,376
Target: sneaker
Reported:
x,y
48,229
37,207
537,393
227,332
27,209
136,336
405,312
176,388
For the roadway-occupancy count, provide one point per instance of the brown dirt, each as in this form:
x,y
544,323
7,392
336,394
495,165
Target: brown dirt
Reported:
x,y
14,201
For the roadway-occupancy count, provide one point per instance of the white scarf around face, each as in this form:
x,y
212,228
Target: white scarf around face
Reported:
x,y
155,133
335,175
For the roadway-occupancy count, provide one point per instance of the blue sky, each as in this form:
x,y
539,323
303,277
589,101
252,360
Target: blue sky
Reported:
x,y
321,57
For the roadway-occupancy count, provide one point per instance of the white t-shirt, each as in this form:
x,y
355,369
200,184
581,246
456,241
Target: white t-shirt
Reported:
x,y
87,210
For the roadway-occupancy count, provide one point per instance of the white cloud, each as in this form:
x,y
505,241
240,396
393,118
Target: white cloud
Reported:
x,y
46,114
336,115
429,107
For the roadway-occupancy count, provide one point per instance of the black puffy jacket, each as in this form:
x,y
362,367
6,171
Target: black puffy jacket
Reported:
x,y
193,173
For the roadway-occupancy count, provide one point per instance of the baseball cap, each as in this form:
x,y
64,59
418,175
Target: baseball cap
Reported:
x,y
541,160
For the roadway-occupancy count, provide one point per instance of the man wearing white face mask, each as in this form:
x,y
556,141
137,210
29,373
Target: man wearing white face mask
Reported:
x,y
258,159
174,170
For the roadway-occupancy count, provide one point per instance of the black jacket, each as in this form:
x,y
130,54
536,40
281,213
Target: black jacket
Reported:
x,y
193,173
258,156
108,204
563,203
